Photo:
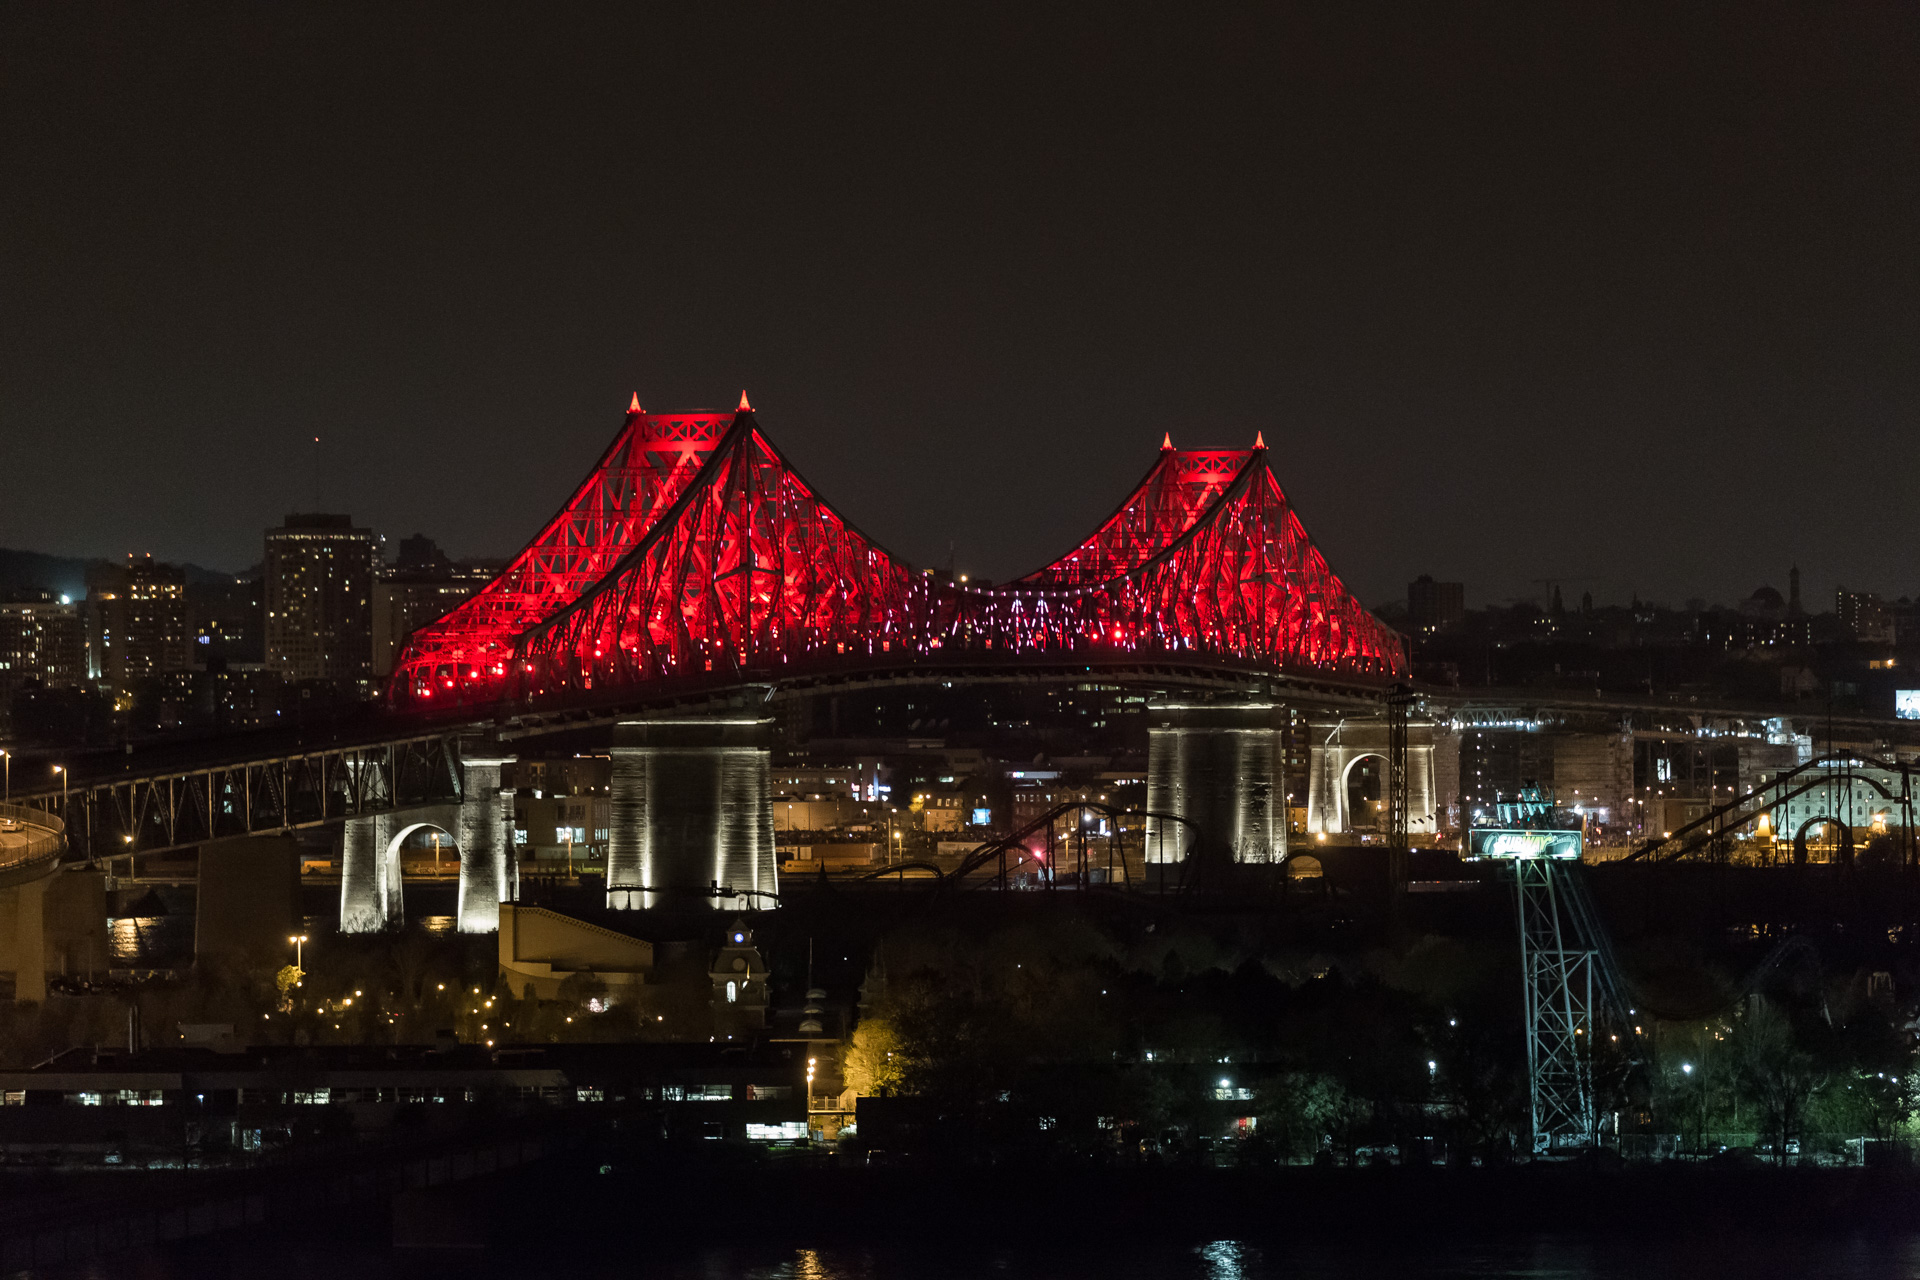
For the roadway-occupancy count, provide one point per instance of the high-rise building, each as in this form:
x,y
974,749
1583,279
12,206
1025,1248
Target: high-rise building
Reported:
x,y
42,638
1863,616
1435,606
319,600
227,619
422,586
136,621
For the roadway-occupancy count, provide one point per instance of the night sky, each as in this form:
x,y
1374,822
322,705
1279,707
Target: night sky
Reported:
x,y
1625,298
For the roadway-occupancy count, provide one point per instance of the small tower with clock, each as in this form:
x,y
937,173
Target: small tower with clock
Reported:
x,y
739,977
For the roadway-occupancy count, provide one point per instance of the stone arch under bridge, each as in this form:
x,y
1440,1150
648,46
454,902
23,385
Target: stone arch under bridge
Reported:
x,y
371,890
1337,746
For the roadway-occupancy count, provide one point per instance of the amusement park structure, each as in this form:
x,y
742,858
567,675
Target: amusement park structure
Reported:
x,y
695,555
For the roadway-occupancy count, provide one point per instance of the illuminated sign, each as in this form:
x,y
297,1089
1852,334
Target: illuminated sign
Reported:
x,y
1906,703
1502,842
982,817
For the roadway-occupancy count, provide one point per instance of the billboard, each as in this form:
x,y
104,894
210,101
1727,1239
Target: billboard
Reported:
x,y
1906,703
1508,842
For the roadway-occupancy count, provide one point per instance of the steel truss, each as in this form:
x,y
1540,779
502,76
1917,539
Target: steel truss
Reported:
x,y
1176,493
647,466
114,817
1568,985
748,575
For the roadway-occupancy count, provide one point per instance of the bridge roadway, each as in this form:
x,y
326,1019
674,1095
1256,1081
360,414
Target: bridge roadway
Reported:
x,y
367,760
30,844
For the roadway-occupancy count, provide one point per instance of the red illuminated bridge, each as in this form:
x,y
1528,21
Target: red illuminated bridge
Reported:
x,y
694,556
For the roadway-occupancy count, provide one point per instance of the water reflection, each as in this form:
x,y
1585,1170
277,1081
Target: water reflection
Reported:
x,y
150,942
1226,1260
1755,1255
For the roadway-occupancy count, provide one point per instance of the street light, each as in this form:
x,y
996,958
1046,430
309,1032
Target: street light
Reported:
x,y
299,941
62,771
8,757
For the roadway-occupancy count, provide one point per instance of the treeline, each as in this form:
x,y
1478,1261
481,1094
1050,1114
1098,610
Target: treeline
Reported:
x,y
404,987
1127,1041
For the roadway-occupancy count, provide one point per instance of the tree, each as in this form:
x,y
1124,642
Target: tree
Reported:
x,y
873,1063
286,980
1770,1070
1300,1109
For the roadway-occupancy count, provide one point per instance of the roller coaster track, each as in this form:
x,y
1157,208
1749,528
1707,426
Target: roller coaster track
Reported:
x,y
1824,771
1017,845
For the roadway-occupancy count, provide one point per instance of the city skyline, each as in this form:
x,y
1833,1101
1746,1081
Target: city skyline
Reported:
x,y
1608,590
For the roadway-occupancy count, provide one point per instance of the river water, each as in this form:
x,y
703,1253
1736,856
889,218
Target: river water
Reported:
x,y
1858,1256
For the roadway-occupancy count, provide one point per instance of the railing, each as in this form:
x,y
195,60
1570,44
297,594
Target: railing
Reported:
x,y
111,817
41,835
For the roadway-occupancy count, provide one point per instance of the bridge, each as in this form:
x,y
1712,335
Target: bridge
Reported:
x,y
694,582
692,579
694,556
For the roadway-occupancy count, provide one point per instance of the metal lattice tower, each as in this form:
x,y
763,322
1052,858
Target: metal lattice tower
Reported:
x,y
1567,982
1399,857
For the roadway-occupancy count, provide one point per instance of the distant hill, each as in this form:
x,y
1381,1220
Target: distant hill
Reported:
x,y
67,575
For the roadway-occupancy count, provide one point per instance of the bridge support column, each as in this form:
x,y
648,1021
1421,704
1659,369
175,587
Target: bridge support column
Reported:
x,y
1337,746
1218,773
370,898
692,820
487,864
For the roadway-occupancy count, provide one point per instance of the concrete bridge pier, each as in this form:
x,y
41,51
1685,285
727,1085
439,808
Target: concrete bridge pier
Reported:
x,y
489,872
692,820
1219,771
370,891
